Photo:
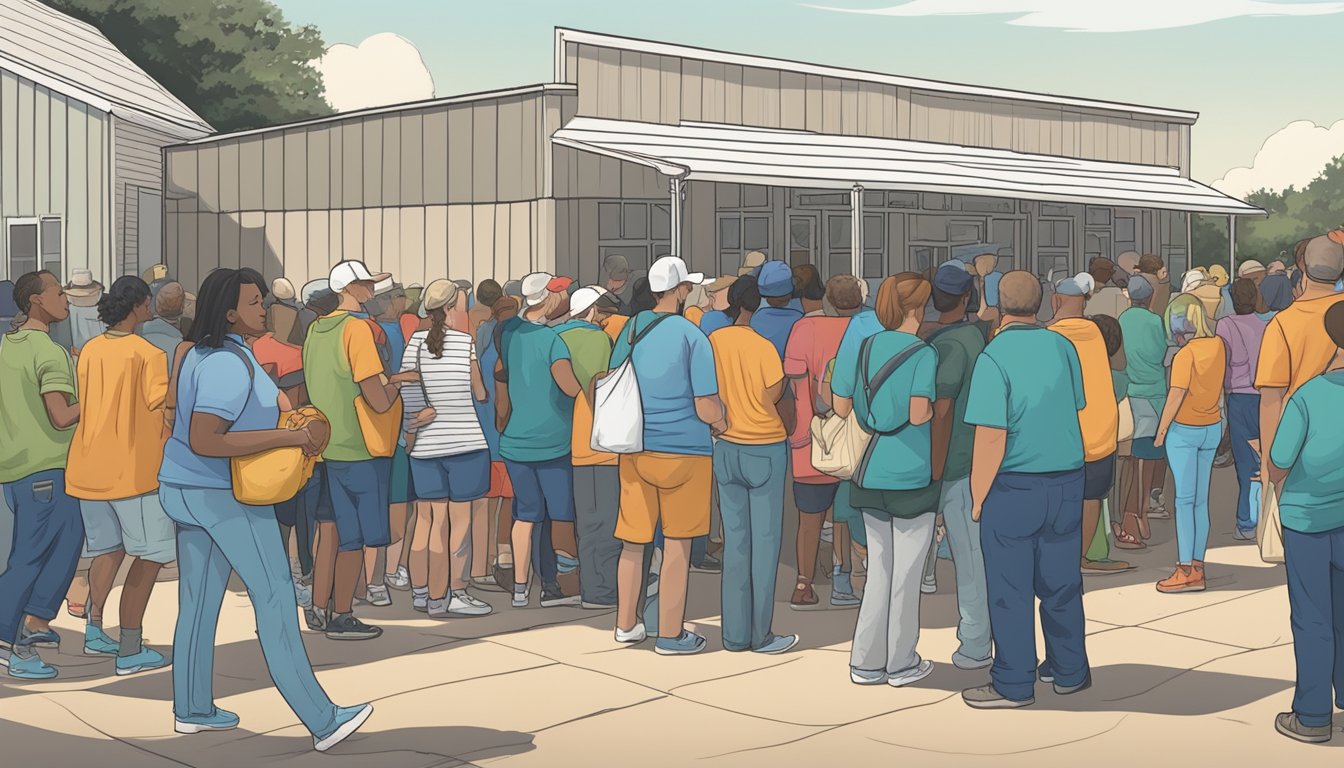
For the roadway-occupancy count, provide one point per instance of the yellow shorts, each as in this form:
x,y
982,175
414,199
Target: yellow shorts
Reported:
x,y
670,488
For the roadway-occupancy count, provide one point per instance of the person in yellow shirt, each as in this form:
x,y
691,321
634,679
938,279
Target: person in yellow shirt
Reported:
x,y
1191,428
1099,421
751,462
113,469
1296,347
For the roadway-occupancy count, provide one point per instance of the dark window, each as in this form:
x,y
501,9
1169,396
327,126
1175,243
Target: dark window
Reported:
x,y
987,204
874,234
730,233
756,233
839,235
52,246
754,196
903,199
608,221
873,199
662,222
22,249
935,202
636,221
1098,217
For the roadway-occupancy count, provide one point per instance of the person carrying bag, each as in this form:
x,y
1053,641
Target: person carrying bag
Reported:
x,y
618,410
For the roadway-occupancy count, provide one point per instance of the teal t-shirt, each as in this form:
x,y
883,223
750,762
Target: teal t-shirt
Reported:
x,y
541,417
1029,382
1310,449
898,462
1145,354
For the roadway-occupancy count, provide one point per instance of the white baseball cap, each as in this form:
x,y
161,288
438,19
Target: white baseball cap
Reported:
x,y
584,298
538,285
347,272
669,272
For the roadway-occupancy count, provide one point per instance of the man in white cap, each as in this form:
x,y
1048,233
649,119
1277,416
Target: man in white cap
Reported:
x,y
666,488
282,314
1099,421
347,382
535,390
597,485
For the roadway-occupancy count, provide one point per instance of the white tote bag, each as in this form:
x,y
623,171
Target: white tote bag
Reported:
x,y
618,410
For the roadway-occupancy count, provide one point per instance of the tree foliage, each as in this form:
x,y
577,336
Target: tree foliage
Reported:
x,y
1293,215
237,63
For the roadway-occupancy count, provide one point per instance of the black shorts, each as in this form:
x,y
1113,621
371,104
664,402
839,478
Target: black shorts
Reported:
x,y
322,509
1098,477
814,498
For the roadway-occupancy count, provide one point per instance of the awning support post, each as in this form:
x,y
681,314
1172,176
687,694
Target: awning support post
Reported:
x,y
678,192
1231,246
856,230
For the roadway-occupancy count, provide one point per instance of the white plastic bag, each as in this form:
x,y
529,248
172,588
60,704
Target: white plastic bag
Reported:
x,y
618,411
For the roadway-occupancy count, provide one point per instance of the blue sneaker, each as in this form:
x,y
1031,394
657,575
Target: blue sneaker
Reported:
x,y
220,720
45,639
97,643
687,644
24,664
144,661
348,720
777,644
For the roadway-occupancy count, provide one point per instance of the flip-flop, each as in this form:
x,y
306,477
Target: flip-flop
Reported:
x,y
1126,540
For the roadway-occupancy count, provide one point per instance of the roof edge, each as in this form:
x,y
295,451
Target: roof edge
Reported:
x,y
601,39
387,108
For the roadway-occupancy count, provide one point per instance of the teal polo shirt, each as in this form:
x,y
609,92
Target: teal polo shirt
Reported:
x,y
1028,381
1309,444
541,416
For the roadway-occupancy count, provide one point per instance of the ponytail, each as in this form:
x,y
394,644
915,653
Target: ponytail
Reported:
x,y
438,323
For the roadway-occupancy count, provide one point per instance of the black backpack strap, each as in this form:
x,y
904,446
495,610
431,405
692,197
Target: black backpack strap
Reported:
x,y
237,349
885,372
634,338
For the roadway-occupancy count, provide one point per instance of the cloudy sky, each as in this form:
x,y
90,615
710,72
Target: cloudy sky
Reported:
x,y
1264,74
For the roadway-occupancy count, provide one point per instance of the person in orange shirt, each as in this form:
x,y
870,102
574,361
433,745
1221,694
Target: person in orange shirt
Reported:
x,y
113,469
1191,428
1099,421
1296,347
751,461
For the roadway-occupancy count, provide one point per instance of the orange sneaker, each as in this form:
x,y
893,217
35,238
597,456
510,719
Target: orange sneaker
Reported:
x,y
1187,578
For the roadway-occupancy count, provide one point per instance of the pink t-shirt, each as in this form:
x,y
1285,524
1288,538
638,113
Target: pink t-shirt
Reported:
x,y
812,345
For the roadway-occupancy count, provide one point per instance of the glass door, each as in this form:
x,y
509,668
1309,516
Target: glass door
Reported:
x,y
804,229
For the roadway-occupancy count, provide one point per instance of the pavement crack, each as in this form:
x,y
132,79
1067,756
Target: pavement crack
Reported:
x,y
1004,754
118,739
735,674
598,713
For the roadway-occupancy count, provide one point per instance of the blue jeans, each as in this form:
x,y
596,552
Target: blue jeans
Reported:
x,y
48,537
1031,534
751,481
1243,425
1190,453
1315,564
216,535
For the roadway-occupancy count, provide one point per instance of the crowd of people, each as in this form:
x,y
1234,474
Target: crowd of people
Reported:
x,y
448,440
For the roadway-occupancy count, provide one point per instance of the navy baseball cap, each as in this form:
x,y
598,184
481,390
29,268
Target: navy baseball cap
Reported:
x,y
952,278
775,279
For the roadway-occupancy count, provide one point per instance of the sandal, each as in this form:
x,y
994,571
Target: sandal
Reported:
x,y
1125,539
76,609
1145,530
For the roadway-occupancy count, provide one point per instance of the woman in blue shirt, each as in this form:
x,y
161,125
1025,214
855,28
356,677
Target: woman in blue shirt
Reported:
x,y
227,407
893,486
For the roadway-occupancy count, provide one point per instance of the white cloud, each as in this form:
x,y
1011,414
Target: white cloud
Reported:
x,y
1294,156
384,69
1102,15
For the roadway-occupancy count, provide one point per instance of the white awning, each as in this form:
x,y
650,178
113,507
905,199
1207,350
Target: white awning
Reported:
x,y
709,152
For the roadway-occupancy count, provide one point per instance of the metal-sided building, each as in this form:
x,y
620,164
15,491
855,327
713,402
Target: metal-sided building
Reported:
x,y
644,149
82,131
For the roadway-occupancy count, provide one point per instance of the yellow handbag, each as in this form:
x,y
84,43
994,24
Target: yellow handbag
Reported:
x,y
277,475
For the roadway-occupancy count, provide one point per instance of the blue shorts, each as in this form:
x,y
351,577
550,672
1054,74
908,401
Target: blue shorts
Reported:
x,y
464,477
359,499
542,490
402,488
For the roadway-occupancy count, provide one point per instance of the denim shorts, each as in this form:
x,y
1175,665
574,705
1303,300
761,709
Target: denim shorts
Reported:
x,y
464,477
814,498
1098,477
359,499
542,490
138,526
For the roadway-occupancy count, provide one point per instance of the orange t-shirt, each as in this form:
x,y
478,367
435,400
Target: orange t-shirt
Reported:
x,y
1296,347
117,447
615,324
747,365
694,314
1099,421
1198,368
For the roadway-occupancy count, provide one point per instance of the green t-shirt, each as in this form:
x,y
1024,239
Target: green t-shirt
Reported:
x,y
1145,354
1308,444
958,346
589,349
541,417
1028,381
1119,382
337,345
32,365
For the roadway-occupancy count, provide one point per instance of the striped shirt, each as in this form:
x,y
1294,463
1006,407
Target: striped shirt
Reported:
x,y
447,381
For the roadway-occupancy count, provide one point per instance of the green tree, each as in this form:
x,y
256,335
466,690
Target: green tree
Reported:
x,y
237,63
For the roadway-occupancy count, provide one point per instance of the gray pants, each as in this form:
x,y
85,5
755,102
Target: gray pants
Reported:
x,y
597,497
888,629
963,538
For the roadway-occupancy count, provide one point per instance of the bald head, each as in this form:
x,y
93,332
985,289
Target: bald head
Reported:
x,y
1020,294
170,301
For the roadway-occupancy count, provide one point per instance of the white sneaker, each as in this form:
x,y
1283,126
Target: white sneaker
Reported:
x,y
521,599
400,581
464,604
438,609
636,635
378,595
867,677
303,594
419,601
912,675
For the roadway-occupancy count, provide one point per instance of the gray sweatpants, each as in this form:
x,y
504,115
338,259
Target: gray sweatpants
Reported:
x,y
888,630
597,497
